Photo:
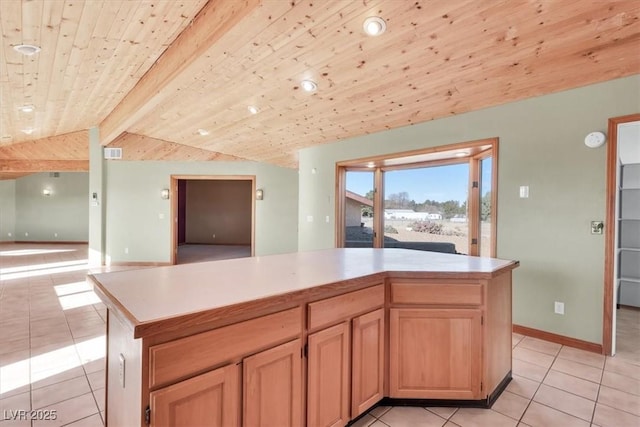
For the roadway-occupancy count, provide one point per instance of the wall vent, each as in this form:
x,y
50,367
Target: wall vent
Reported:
x,y
112,153
54,174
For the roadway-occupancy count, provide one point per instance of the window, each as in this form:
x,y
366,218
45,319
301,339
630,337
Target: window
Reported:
x,y
441,199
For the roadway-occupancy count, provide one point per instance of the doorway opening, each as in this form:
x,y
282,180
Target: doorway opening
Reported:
x,y
212,217
621,323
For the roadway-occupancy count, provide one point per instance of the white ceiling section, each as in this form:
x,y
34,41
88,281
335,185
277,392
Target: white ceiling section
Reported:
x,y
151,73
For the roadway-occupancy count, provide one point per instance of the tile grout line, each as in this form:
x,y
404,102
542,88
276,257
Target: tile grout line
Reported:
x,y
85,375
541,381
556,409
595,405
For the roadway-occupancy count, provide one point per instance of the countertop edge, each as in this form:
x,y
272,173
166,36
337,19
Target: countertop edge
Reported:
x,y
222,316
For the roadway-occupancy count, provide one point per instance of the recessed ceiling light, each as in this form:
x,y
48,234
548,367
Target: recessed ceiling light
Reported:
x,y
374,26
253,109
28,131
27,108
309,85
26,49
462,154
203,132
370,164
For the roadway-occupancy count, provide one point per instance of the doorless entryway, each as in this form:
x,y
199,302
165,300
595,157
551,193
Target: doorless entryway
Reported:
x,y
213,217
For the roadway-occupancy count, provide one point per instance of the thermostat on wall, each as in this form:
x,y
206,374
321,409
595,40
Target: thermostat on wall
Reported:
x,y
594,139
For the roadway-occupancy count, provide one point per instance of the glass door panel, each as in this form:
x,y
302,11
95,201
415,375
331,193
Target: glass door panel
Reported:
x,y
486,207
426,208
358,209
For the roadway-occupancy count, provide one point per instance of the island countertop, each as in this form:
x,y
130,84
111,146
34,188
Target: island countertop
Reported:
x,y
151,299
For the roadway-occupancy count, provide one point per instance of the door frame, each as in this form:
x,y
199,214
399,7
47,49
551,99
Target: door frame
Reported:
x,y
174,205
611,194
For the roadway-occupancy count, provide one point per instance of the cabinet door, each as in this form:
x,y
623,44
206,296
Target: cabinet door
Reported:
x,y
328,377
210,399
435,353
273,387
367,362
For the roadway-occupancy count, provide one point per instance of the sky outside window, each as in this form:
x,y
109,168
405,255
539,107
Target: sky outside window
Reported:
x,y
439,183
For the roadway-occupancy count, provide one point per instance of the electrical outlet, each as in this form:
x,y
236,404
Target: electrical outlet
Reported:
x,y
126,251
558,307
9,234
26,234
55,234
213,236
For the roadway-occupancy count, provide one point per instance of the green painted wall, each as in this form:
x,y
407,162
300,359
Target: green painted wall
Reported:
x,y
137,219
62,216
541,145
7,210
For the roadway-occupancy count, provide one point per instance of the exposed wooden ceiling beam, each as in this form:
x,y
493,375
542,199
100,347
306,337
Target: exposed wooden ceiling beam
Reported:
x,y
32,166
215,19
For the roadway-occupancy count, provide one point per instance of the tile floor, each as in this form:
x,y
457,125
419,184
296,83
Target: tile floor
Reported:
x,y
52,358
199,253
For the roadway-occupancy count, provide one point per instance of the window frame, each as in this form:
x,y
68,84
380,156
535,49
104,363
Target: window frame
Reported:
x,y
429,157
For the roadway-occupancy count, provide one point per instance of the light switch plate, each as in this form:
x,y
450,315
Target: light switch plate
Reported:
x,y
524,191
121,369
597,227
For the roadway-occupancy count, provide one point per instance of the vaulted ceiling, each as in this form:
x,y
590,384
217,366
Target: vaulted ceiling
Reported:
x,y
172,80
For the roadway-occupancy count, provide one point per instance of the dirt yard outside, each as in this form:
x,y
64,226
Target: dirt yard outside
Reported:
x,y
453,232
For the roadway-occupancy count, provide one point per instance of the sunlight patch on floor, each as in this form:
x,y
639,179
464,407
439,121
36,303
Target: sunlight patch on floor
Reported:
x,y
12,273
72,288
81,299
37,368
24,252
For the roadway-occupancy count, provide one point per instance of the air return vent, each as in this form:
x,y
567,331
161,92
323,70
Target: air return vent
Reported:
x,y
54,174
112,153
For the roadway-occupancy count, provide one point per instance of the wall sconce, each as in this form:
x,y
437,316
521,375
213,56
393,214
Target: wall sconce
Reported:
x,y
164,194
259,194
46,192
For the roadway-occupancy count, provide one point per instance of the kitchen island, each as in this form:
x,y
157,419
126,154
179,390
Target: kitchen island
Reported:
x,y
309,338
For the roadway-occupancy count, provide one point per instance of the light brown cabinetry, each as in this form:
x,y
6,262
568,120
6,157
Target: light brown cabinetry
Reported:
x,y
328,370
272,385
398,334
449,338
367,361
435,353
260,383
346,361
210,399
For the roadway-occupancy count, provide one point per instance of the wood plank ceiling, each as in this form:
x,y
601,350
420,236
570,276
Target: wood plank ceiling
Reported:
x,y
151,74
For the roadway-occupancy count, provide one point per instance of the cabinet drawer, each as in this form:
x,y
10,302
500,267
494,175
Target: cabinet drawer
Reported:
x,y
332,310
416,292
179,359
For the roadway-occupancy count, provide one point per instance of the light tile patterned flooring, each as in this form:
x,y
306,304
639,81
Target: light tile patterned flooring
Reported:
x,y
52,358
